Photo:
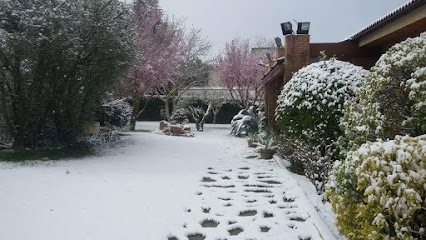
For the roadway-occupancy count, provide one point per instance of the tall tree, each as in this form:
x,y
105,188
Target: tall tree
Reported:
x,y
57,59
192,70
240,73
215,100
161,45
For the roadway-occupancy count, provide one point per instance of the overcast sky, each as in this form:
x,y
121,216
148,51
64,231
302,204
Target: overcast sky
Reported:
x,y
331,20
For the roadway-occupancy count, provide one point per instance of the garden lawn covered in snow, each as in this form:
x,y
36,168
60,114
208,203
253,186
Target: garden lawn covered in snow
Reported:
x,y
153,186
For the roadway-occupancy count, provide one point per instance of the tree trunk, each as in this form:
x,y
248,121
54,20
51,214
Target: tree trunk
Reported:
x,y
214,117
135,112
197,124
202,124
4,110
206,115
167,110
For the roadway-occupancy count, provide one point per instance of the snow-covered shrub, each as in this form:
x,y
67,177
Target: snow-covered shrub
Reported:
x,y
261,115
313,161
99,139
379,191
314,98
253,136
244,122
58,58
266,139
117,113
179,116
393,99
416,87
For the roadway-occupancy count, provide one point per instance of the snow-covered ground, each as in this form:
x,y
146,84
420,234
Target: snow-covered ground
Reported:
x,y
152,188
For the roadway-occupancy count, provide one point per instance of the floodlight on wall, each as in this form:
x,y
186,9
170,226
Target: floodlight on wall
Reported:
x,y
278,42
268,55
303,27
287,28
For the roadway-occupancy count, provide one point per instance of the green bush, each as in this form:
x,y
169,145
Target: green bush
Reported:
x,y
379,192
313,99
116,113
58,59
393,99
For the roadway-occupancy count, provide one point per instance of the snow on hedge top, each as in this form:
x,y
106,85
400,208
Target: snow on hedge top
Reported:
x,y
321,85
383,109
417,88
409,56
390,178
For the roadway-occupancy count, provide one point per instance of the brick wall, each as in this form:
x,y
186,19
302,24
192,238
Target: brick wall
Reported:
x,y
347,51
272,91
297,54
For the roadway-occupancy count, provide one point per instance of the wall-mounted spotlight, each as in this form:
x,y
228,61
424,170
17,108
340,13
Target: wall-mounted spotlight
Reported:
x,y
287,28
268,55
278,42
303,27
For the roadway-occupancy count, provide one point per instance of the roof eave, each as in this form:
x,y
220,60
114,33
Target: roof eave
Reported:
x,y
403,10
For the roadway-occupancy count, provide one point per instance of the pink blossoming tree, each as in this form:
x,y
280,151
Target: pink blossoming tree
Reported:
x,y
240,73
160,45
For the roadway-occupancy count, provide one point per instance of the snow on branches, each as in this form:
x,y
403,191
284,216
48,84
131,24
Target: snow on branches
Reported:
x,y
393,99
378,191
58,58
313,99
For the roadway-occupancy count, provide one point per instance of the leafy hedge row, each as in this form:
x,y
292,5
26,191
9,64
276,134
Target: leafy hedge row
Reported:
x,y
377,185
393,99
378,191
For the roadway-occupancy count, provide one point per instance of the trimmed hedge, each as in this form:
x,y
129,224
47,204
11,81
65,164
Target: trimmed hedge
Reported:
x,y
313,99
153,112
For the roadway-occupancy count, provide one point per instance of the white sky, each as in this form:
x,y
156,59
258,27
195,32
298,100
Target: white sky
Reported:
x,y
331,20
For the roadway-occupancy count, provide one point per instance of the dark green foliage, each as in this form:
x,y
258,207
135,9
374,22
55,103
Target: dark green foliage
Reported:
x,y
153,112
227,112
295,120
313,100
180,116
58,59
72,152
115,113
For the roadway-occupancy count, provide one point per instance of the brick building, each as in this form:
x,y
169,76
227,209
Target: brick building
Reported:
x,y
362,49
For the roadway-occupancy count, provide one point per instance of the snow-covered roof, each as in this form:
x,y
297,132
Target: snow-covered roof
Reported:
x,y
404,9
278,61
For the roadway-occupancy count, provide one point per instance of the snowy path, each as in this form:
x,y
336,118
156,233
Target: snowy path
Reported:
x,y
154,188
250,199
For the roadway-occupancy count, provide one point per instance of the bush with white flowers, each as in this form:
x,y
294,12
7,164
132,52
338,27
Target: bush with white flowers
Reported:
x,y
313,99
393,99
379,191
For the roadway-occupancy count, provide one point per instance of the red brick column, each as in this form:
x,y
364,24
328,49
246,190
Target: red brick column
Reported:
x,y
297,54
272,90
